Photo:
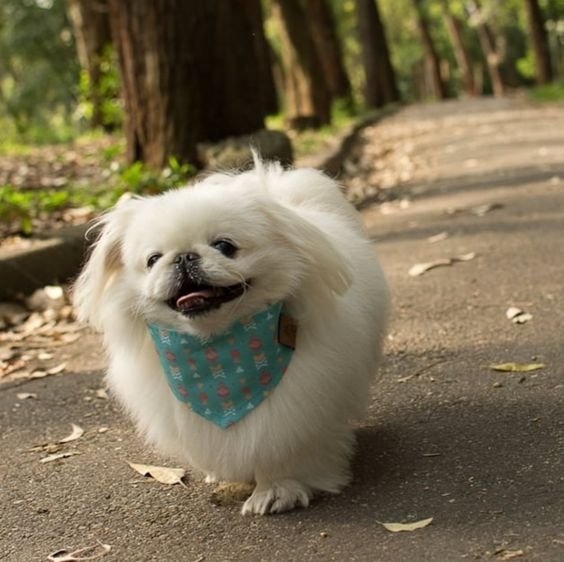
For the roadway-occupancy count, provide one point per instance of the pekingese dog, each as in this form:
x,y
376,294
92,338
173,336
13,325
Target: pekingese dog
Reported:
x,y
243,318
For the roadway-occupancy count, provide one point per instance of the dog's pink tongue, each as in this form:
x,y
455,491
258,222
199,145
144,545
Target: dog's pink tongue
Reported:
x,y
196,298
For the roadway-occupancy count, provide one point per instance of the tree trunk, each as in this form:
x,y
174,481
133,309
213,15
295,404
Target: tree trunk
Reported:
x,y
189,73
489,47
539,40
328,47
91,28
380,81
308,101
433,61
264,57
461,53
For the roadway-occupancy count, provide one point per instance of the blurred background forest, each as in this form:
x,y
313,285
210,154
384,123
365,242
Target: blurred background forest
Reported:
x,y
99,97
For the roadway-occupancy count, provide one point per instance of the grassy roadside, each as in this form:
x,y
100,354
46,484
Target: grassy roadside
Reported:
x,y
27,210
548,93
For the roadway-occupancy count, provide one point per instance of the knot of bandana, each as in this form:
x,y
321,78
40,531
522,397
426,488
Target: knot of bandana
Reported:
x,y
228,375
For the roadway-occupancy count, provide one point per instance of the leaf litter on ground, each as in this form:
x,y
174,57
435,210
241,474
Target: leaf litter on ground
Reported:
x,y
53,447
27,329
421,268
161,474
400,527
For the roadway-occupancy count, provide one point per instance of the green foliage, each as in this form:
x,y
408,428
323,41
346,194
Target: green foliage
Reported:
x,y
526,66
107,91
22,206
38,70
138,178
549,93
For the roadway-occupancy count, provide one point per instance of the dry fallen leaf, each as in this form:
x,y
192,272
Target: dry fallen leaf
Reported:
x,y
68,338
80,555
46,448
32,324
437,237
231,494
399,527
517,367
57,369
505,554
517,316
26,395
7,353
77,433
10,367
420,268
465,257
58,456
161,474
482,210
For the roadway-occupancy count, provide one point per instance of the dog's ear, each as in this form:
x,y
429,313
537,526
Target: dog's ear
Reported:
x,y
104,262
315,248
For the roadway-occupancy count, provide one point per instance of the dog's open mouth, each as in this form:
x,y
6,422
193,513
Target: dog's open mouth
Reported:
x,y
192,299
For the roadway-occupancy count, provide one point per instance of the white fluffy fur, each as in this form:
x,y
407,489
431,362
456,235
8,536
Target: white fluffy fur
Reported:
x,y
300,242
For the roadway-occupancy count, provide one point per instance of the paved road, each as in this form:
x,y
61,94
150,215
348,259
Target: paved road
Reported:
x,y
479,451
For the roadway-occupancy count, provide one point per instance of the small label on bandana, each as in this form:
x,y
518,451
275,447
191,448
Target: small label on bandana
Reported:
x,y
287,331
229,375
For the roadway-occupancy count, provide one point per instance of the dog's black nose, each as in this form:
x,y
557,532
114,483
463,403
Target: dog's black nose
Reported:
x,y
186,258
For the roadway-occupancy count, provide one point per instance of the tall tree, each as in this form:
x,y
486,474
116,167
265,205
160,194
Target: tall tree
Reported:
x,y
489,45
308,100
328,47
91,29
380,85
264,55
189,73
431,55
539,40
463,59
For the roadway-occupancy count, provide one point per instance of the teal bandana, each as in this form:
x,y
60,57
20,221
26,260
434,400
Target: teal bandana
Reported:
x,y
227,376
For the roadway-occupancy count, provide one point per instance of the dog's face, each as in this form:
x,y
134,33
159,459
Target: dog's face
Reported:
x,y
205,256
199,258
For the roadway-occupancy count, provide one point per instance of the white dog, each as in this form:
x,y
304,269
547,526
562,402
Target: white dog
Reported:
x,y
175,280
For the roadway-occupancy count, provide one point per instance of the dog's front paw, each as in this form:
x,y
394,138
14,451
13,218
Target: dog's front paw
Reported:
x,y
277,497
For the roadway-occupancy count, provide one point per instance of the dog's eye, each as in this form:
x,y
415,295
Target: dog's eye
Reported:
x,y
227,248
153,259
